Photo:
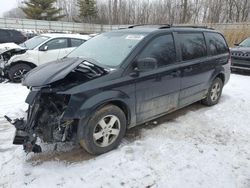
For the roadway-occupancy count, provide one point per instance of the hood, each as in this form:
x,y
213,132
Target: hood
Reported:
x,y
240,49
57,70
8,46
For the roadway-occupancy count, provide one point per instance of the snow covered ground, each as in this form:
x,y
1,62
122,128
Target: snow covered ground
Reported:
x,y
196,147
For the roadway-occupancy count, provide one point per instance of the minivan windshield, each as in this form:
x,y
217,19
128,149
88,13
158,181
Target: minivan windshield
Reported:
x,y
245,43
109,49
34,42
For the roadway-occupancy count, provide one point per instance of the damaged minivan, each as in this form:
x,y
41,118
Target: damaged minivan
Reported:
x,y
120,79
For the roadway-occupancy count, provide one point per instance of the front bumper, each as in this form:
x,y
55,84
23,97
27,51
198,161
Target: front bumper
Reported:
x,y
240,64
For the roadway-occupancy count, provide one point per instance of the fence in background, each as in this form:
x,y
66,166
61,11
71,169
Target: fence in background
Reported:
x,y
234,32
57,26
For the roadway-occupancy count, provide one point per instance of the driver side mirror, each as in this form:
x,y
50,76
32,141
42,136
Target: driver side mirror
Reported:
x,y
143,65
236,44
146,64
44,48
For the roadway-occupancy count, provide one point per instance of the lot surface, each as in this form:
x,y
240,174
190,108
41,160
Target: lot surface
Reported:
x,y
196,147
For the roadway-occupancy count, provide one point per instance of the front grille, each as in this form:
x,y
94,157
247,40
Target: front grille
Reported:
x,y
240,54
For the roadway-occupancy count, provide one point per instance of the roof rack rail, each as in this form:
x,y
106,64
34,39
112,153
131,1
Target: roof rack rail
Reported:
x,y
194,26
161,26
165,26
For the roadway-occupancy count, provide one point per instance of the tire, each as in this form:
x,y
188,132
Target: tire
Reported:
x,y
97,136
214,93
17,72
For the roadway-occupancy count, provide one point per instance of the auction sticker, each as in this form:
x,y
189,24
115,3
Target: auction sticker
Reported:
x,y
135,37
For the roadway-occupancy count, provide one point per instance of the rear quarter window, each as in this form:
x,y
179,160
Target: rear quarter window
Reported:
x,y
192,45
216,43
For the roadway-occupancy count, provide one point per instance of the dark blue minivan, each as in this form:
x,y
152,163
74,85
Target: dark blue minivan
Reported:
x,y
120,79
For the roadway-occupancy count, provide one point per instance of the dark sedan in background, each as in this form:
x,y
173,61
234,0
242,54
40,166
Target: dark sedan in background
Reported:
x,y
241,56
11,35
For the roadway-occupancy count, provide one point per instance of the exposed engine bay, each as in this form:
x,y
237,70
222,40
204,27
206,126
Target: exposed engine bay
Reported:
x,y
44,120
6,55
47,107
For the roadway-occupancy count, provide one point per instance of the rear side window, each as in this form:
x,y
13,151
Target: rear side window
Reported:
x,y
192,45
216,44
76,42
162,49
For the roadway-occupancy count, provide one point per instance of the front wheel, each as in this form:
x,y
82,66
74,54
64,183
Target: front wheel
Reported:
x,y
17,72
104,131
214,93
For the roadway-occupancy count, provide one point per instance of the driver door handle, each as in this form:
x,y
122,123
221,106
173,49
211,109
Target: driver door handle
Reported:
x,y
188,69
175,73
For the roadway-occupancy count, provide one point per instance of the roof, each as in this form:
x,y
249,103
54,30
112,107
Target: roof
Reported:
x,y
164,27
58,35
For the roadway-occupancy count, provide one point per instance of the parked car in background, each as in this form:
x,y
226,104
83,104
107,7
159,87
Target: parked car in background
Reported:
x,y
31,35
7,50
39,50
241,56
10,35
121,79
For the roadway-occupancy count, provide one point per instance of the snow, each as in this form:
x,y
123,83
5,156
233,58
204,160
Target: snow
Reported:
x,y
196,147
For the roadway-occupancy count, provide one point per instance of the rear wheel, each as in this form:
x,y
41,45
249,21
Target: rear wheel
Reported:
x,y
17,72
104,131
214,93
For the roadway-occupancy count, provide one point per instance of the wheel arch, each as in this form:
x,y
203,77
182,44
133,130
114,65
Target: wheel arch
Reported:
x,y
221,76
119,103
32,65
80,107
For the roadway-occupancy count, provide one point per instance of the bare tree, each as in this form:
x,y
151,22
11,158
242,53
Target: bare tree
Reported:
x,y
159,11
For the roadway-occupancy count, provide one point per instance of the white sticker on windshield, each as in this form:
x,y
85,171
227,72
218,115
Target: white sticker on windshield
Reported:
x,y
135,37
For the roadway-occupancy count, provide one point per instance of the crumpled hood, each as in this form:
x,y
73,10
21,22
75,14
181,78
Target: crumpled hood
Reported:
x,y
50,72
9,46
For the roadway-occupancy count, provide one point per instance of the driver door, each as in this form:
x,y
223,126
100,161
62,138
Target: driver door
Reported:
x,y
50,51
157,90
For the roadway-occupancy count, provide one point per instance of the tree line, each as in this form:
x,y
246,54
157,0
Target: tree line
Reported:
x,y
135,11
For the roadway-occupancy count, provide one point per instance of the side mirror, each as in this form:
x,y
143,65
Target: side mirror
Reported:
x,y
43,48
236,44
146,64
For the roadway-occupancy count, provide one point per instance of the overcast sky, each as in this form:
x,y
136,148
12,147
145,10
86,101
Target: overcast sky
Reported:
x,y
6,5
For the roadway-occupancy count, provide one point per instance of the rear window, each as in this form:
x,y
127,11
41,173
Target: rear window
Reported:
x,y
216,43
192,45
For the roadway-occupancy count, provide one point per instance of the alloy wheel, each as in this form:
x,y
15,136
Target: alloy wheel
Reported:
x,y
215,92
106,131
18,75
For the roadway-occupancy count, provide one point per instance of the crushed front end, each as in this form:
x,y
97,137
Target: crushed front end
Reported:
x,y
47,106
44,120
5,55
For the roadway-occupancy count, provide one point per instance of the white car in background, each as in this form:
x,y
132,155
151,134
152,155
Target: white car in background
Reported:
x,y
39,50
